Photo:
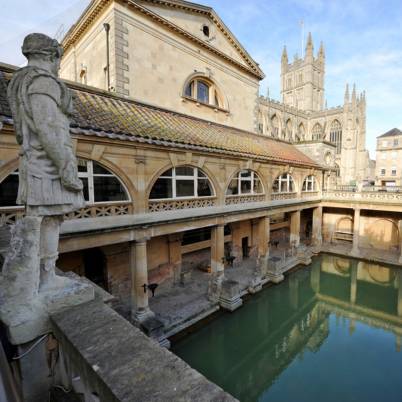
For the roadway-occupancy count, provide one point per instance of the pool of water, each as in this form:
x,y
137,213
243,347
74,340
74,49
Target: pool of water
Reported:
x,y
330,332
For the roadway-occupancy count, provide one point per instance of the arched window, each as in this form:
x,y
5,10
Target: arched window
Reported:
x,y
289,130
335,135
284,184
204,91
275,125
301,132
337,170
317,132
181,182
100,185
245,182
309,184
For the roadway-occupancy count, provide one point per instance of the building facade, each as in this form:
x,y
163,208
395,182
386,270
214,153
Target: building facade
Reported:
x,y
388,159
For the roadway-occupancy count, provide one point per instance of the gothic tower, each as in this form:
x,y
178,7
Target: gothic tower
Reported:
x,y
302,82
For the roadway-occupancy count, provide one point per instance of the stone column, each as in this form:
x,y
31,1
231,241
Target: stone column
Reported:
x,y
295,228
400,240
263,240
317,227
217,249
356,231
140,310
175,256
353,282
400,294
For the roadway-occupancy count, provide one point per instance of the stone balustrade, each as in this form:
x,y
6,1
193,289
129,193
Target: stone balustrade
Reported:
x,y
187,203
309,194
364,196
243,199
283,196
8,216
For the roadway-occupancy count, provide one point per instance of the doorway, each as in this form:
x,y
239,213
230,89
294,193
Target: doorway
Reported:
x,y
244,246
95,267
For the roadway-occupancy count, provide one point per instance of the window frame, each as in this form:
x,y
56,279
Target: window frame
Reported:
x,y
310,179
174,177
215,97
289,179
253,177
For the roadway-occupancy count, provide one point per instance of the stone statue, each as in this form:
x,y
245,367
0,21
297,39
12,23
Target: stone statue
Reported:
x,y
49,187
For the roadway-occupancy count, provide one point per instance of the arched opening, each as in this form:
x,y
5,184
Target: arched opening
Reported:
x,y
284,184
335,135
204,90
301,132
317,133
289,130
275,126
245,182
310,184
182,182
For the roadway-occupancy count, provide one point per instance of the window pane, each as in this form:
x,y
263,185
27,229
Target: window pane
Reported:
x,y
245,173
201,174
185,188
168,173
202,92
304,188
9,191
245,187
82,165
162,189
98,169
184,171
233,187
291,186
204,189
275,187
108,189
85,189
257,186
189,89
284,187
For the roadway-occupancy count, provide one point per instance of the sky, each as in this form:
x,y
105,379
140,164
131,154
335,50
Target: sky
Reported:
x,y
362,39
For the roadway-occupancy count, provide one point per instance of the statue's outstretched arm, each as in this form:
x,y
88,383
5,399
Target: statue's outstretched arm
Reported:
x,y
51,131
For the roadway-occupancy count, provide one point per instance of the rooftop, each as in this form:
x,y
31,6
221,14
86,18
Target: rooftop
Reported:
x,y
391,133
103,114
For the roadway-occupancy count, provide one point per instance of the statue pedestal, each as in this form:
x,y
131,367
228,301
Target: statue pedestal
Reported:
x,y
26,321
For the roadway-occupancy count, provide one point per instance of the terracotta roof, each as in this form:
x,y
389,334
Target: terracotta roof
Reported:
x,y
98,113
391,133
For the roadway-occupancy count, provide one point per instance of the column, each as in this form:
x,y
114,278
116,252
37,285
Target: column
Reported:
x,y
295,228
175,256
400,240
317,227
140,310
400,294
353,282
356,231
217,249
262,246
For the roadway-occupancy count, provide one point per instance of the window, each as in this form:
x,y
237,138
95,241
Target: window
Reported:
x,y
301,132
335,135
275,125
284,184
396,142
289,83
317,132
382,171
181,182
100,185
289,130
245,182
9,190
393,171
309,184
205,30
203,91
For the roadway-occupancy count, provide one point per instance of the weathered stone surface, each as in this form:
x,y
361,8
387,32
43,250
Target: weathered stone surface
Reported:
x,y
121,364
230,295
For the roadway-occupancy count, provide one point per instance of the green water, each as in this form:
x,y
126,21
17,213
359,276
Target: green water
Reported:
x,y
329,332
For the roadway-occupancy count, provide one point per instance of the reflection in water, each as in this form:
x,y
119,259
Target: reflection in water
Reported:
x,y
329,332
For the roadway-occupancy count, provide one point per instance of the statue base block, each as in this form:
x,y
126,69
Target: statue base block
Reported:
x,y
27,319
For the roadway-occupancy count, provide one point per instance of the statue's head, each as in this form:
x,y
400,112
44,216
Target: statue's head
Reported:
x,y
41,47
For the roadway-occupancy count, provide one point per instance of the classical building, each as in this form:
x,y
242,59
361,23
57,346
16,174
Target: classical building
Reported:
x,y
388,159
303,118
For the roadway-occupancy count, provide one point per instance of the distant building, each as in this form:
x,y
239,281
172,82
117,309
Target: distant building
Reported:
x,y
389,158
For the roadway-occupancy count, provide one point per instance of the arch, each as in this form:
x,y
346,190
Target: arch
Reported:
x,y
204,89
345,224
95,176
337,170
245,182
317,132
183,181
284,183
275,126
310,184
382,234
301,132
289,129
335,135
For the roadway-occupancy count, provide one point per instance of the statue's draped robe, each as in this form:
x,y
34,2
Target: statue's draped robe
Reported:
x,y
40,185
